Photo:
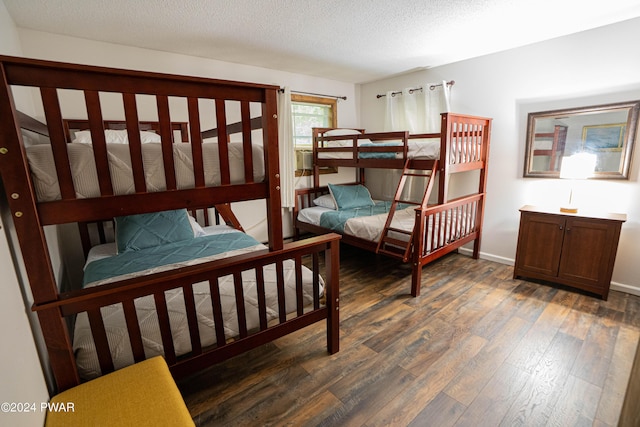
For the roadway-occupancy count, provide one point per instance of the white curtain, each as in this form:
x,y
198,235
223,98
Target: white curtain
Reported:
x,y
287,153
418,111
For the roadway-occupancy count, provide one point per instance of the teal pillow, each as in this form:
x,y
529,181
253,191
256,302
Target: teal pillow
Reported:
x,y
350,196
135,232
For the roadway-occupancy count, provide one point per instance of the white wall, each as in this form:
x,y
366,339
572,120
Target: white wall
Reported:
x,y
20,369
593,67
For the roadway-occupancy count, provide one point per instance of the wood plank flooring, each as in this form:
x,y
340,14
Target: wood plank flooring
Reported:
x,y
477,348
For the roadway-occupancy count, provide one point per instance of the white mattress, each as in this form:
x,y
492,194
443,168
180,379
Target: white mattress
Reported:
x,y
370,227
417,148
115,325
364,227
85,178
312,215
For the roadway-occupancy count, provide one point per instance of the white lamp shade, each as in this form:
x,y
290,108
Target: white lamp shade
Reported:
x,y
578,166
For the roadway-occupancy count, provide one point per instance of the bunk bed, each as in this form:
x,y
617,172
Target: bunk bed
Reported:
x,y
147,177
409,229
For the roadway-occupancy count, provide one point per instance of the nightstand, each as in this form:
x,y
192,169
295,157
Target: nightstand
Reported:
x,y
577,250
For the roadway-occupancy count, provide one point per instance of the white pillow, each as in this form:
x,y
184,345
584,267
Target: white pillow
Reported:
x,y
198,231
325,201
340,132
116,137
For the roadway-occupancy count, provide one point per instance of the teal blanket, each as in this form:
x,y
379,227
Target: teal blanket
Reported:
x,y
336,220
380,155
170,253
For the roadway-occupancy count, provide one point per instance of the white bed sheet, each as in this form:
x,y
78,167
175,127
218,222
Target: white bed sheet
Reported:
x,y
312,214
85,177
113,315
365,227
370,227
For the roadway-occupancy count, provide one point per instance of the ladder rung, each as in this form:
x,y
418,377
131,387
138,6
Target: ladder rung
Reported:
x,y
408,202
416,174
397,242
396,254
392,251
398,230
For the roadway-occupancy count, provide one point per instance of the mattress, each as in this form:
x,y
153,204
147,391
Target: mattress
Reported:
x,y
417,149
365,227
85,177
370,227
115,325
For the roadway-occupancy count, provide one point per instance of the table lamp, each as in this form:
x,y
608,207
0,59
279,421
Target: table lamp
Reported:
x,y
574,167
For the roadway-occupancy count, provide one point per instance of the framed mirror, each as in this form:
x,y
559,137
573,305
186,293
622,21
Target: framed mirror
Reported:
x,y
608,131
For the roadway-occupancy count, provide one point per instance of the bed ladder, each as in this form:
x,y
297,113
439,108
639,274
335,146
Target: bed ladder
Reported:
x,y
399,247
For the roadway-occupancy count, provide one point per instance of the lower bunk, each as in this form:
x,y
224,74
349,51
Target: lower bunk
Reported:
x,y
426,233
195,295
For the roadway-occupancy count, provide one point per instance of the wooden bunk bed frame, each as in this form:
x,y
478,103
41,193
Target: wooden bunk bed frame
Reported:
x,y
464,146
55,308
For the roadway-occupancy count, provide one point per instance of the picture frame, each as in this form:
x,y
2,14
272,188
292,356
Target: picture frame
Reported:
x,y
607,137
596,129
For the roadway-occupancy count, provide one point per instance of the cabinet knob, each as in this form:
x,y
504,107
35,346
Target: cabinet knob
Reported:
x,y
561,227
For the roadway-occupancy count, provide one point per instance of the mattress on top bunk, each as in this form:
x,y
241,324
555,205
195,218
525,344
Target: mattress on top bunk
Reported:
x,y
85,177
416,149
113,315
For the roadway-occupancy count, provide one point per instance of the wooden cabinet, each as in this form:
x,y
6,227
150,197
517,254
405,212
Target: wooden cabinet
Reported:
x,y
577,250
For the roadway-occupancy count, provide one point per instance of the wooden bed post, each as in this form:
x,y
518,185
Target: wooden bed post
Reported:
x,y
416,265
445,146
272,170
482,188
333,297
17,183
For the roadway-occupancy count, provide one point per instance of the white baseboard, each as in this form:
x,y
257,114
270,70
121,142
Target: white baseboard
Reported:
x,y
621,287
633,290
489,257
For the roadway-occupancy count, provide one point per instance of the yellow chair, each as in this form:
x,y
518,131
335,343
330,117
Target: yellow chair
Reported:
x,y
143,394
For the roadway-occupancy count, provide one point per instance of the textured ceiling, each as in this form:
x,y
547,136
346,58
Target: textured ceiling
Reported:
x,y
347,40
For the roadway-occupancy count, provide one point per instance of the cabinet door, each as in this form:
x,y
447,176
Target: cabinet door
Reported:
x,y
540,243
586,257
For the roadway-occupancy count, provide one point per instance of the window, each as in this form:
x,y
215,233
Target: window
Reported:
x,y
308,112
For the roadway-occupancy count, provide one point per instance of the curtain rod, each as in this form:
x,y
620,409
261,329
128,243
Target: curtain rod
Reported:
x,y
431,87
344,98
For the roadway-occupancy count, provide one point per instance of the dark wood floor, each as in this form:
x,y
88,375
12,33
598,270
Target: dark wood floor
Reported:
x,y
477,348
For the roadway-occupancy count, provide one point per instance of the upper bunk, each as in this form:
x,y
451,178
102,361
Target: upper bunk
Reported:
x,y
461,145
189,142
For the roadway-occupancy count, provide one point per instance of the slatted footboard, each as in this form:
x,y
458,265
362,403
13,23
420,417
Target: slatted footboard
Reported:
x,y
320,255
444,228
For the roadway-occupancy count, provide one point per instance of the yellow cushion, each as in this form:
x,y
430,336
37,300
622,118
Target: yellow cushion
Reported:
x,y
143,394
